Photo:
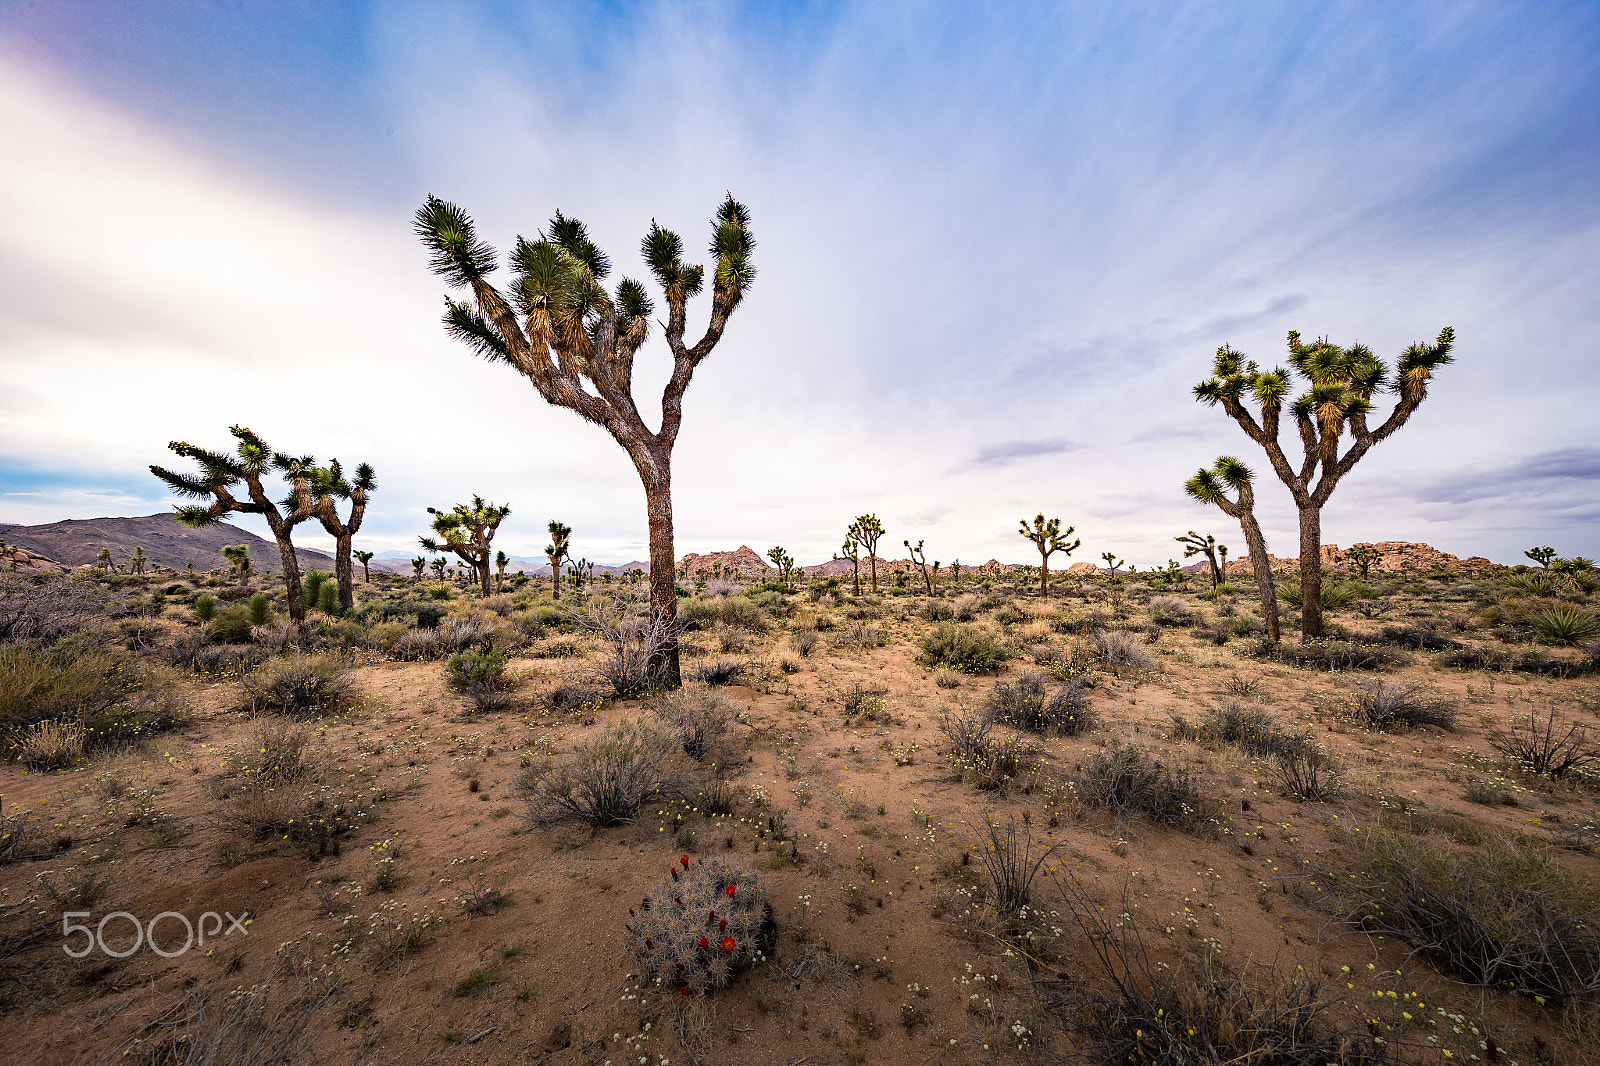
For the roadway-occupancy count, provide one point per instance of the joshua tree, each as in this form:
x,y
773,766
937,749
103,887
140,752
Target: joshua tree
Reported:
x,y
220,472
103,560
1543,556
467,530
500,561
557,550
137,564
438,569
329,486
1363,556
955,573
919,559
866,530
364,558
1194,544
238,556
783,561
1112,562
1211,486
560,329
852,551
1340,384
416,568
1049,538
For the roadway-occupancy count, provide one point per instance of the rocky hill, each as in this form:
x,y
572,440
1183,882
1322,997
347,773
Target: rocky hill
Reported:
x,y
1394,557
78,542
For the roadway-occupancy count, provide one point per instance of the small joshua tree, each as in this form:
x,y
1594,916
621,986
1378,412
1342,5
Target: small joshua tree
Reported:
x,y
1112,562
501,560
137,564
1211,486
238,556
417,565
556,551
559,328
919,559
1340,383
1363,556
783,561
365,559
103,560
694,932
220,473
852,551
866,530
468,530
1194,544
1049,538
1543,556
329,486
955,573
438,566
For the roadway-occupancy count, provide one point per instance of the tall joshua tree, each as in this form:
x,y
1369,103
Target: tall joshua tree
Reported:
x,y
1049,538
1194,544
852,551
468,530
1340,383
559,328
1211,486
220,473
329,486
365,559
557,550
866,530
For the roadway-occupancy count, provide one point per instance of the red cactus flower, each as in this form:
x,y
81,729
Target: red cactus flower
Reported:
x,y
683,991
723,924
705,942
728,943
673,871
649,943
731,891
685,861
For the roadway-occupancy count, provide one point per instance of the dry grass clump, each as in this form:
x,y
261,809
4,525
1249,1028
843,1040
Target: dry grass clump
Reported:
x,y
700,719
607,781
631,643
1417,638
966,648
274,792
729,610
861,636
219,1023
985,759
1200,1012
804,641
1170,611
1389,707
1501,915
1127,782
722,671
1332,655
1308,774
1013,863
1244,726
300,686
46,610
1119,651
1544,748
1030,704
58,704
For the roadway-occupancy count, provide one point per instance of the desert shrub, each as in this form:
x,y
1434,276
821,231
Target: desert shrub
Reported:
x,y
1542,665
1246,727
1030,704
730,638
231,626
1119,651
459,634
861,636
608,780
218,1021
1388,707
937,611
481,677
1417,638
987,760
46,609
1564,625
570,695
694,932
141,634
19,836
1170,611
723,671
418,645
301,686
259,610
191,652
278,750
1478,659
728,610
1500,915
1544,748
205,607
1307,774
962,647
1200,1012
1334,595
91,699
804,642
49,745
947,678
560,647
1126,782
1013,863
1489,793
631,643
1331,655
699,718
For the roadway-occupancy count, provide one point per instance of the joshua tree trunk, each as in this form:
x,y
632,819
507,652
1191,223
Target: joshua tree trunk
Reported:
x,y
663,567
1263,570
1311,571
291,579
1044,572
343,572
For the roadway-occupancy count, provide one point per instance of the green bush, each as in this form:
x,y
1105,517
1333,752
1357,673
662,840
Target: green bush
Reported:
x,y
965,648
301,686
99,698
205,607
260,611
232,626
328,598
481,676
1564,625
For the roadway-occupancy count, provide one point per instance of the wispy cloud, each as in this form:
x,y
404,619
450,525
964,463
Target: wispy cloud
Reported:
x,y
1013,451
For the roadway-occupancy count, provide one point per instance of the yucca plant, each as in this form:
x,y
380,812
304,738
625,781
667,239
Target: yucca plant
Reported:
x,y
575,342
1564,625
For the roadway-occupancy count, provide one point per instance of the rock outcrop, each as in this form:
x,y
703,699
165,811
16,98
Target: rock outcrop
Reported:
x,y
1394,557
16,560
744,560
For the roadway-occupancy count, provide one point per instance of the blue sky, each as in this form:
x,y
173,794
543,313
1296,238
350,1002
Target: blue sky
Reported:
x,y
997,246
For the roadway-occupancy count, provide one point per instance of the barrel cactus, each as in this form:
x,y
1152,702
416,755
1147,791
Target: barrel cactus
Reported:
x,y
702,926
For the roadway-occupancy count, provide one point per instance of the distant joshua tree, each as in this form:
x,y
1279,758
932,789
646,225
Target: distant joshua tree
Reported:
x,y
783,561
562,331
852,551
1363,556
1194,544
103,560
1340,383
1049,538
137,564
919,559
501,559
220,473
329,486
1112,562
417,565
557,551
238,556
1211,486
468,530
364,558
866,530
1543,556
438,566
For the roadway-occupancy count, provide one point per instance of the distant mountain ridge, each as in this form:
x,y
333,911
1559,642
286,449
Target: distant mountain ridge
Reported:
x,y
78,542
